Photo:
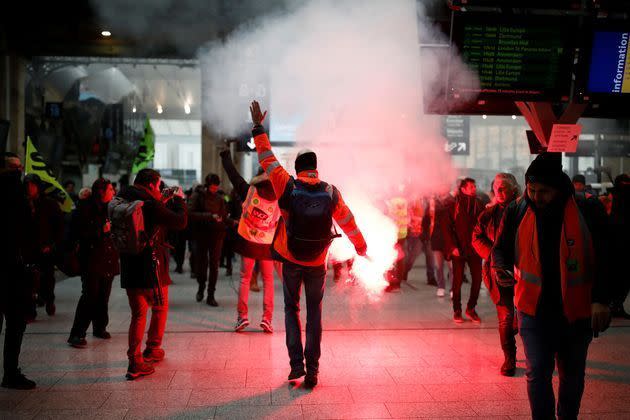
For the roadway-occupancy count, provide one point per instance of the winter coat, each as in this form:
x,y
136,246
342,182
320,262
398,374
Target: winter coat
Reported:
x,y
437,219
17,245
264,188
461,215
549,226
484,235
48,222
203,210
136,271
97,255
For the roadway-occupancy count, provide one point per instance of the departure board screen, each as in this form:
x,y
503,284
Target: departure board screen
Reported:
x,y
524,59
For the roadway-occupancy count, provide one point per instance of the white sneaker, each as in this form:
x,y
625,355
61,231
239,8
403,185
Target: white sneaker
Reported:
x,y
440,292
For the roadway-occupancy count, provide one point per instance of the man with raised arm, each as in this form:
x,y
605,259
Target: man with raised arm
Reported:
x,y
308,206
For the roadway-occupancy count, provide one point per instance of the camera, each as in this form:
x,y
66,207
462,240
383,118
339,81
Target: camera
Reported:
x,y
169,192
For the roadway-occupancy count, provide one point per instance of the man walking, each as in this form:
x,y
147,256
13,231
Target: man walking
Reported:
x,y
308,206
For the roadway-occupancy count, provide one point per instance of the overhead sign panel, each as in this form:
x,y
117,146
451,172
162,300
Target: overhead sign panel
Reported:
x,y
516,57
609,70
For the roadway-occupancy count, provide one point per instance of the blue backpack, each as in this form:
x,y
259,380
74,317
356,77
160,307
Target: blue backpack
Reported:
x,y
310,222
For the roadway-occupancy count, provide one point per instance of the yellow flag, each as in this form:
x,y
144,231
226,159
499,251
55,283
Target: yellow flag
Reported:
x,y
35,165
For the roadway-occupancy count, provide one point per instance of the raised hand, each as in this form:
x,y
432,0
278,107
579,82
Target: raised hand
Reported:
x,y
257,115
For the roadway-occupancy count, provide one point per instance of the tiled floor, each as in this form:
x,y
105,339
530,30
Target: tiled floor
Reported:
x,y
397,357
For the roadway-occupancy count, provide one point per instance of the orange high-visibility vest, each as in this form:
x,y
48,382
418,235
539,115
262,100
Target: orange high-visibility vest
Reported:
x,y
577,264
397,207
260,218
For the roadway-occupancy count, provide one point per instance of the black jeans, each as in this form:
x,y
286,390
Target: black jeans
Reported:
x,y
544,339
507,329
93,305
474,263
314,284
415,247
207,255
47,280
15,302
179,253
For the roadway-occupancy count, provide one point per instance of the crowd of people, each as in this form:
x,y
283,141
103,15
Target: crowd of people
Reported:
x,y
550,257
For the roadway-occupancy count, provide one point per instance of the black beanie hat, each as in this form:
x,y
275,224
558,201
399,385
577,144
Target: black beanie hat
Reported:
x,y
212,179
546,169
305,161
579,178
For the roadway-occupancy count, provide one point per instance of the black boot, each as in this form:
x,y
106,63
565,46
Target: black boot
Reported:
x,y
199,296
509,365
17,381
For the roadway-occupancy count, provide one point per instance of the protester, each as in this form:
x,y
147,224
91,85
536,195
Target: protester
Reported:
x,y
16,257
145,275
49,225
256,230
99,263
208,217
397,209
437,222
308,206
418,238
506,190
69,186
552,250
234,205
462,213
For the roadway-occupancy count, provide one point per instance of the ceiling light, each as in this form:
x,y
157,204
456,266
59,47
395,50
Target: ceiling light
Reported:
x,y
187,108
484,116
159,109
133,109
106,33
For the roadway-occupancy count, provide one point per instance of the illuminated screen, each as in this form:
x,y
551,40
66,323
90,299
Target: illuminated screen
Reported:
x,y
610,64
516,57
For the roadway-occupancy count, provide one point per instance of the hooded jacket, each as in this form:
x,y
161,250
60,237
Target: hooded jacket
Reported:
x,y
264,188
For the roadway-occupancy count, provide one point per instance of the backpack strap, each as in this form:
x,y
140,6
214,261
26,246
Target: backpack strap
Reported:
x,y
285,199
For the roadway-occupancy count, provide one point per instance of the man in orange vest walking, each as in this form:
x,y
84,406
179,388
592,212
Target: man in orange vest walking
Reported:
x,y
552,251
304,234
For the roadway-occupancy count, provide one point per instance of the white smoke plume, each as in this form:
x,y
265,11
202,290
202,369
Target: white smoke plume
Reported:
x,y
350,76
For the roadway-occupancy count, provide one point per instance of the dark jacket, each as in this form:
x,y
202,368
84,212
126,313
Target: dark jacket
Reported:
x,y
137,270
484,235
48,222
203,210
438,218
462,213
264,188
17,245
97,255
549,226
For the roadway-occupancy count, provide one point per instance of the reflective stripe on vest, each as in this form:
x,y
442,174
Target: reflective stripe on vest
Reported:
x,y
260,218
576,264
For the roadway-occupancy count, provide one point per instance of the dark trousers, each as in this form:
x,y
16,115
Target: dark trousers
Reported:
x,y
15,327
314,283
474,263
47,280
93,305
227,255
208,253
179,253
398,273
507,329
415,247
544,340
